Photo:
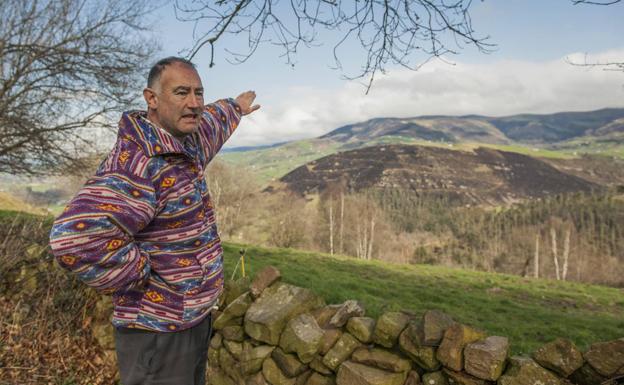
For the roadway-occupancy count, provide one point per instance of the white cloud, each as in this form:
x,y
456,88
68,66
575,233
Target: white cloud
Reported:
x,y
495,89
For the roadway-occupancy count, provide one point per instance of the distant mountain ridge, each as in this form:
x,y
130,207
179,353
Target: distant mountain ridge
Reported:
x,y
563,135
523,128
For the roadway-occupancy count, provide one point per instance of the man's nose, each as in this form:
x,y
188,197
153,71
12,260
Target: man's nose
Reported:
x,y
195,101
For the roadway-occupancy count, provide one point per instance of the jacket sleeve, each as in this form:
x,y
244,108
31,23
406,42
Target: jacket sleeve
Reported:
x,y
218,122
94,236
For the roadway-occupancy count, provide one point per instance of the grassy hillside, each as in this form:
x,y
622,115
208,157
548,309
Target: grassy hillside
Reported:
x,y
529,311
273,162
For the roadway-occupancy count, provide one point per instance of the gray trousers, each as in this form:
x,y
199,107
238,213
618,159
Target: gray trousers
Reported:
x,y
149,358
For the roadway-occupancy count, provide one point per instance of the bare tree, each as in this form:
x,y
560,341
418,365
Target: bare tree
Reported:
x,y
386,31
288,222
65,65
232,190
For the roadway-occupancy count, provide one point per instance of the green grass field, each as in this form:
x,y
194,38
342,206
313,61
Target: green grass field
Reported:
x,y
273,163
528,311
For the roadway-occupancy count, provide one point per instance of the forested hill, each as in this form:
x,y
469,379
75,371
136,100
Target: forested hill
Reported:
x,y
480,176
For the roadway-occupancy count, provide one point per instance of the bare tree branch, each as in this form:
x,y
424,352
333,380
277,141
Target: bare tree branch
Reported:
x,y
606,2
400,32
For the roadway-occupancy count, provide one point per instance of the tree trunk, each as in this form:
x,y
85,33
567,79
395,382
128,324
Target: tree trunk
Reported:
x,y
566,254
536,257
369,255
341,250
331,226
553,239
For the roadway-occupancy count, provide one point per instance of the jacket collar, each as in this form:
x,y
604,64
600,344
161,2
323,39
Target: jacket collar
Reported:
x,y
152,139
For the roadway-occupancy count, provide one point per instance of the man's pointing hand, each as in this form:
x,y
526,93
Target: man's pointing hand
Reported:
x,y
245,102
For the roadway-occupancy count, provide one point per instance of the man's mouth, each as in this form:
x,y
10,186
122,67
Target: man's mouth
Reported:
x,y
190,117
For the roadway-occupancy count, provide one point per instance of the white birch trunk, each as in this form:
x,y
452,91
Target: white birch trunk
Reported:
x,y
566,254
553,239
369,255
331,227
536,257
341,250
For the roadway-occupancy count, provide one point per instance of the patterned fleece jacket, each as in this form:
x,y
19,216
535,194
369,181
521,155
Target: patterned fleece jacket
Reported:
x,y
143,228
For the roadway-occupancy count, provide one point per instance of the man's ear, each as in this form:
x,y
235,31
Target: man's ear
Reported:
x,y
150,98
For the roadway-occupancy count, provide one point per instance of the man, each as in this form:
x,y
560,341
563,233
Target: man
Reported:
x,y
143,228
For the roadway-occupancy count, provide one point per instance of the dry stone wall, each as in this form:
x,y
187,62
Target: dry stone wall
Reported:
x,y
270,332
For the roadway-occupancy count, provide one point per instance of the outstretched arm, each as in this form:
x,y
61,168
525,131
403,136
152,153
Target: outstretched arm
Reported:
x,y
221,118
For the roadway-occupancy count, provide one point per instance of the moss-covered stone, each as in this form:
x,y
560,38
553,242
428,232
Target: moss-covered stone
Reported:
x,y
606,357
253,357
341,351
485,359
523,371
230,365
432,327
560,356
435,378
382,359
319,379
451,350
352,373
462,378
274,375
348,309
235,348
263,279
236,309
302,336
318,365
269,314
388,328
233,333
361,328
288,363
330,337
423,356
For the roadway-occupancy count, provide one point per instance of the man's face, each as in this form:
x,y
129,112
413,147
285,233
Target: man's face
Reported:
x,y
177,100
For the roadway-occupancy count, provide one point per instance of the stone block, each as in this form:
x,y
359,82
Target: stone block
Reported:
x,y
523,371
352,373
388,328
382,359
561,356
268,315
361,328
341,351
451,350
486,359
302,336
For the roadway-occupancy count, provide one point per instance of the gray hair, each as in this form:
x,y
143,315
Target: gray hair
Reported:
x,y
160,65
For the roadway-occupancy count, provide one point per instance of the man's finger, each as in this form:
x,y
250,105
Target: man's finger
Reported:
x,y
252,109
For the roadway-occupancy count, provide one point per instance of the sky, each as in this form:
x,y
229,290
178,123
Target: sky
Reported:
x,y
529,71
